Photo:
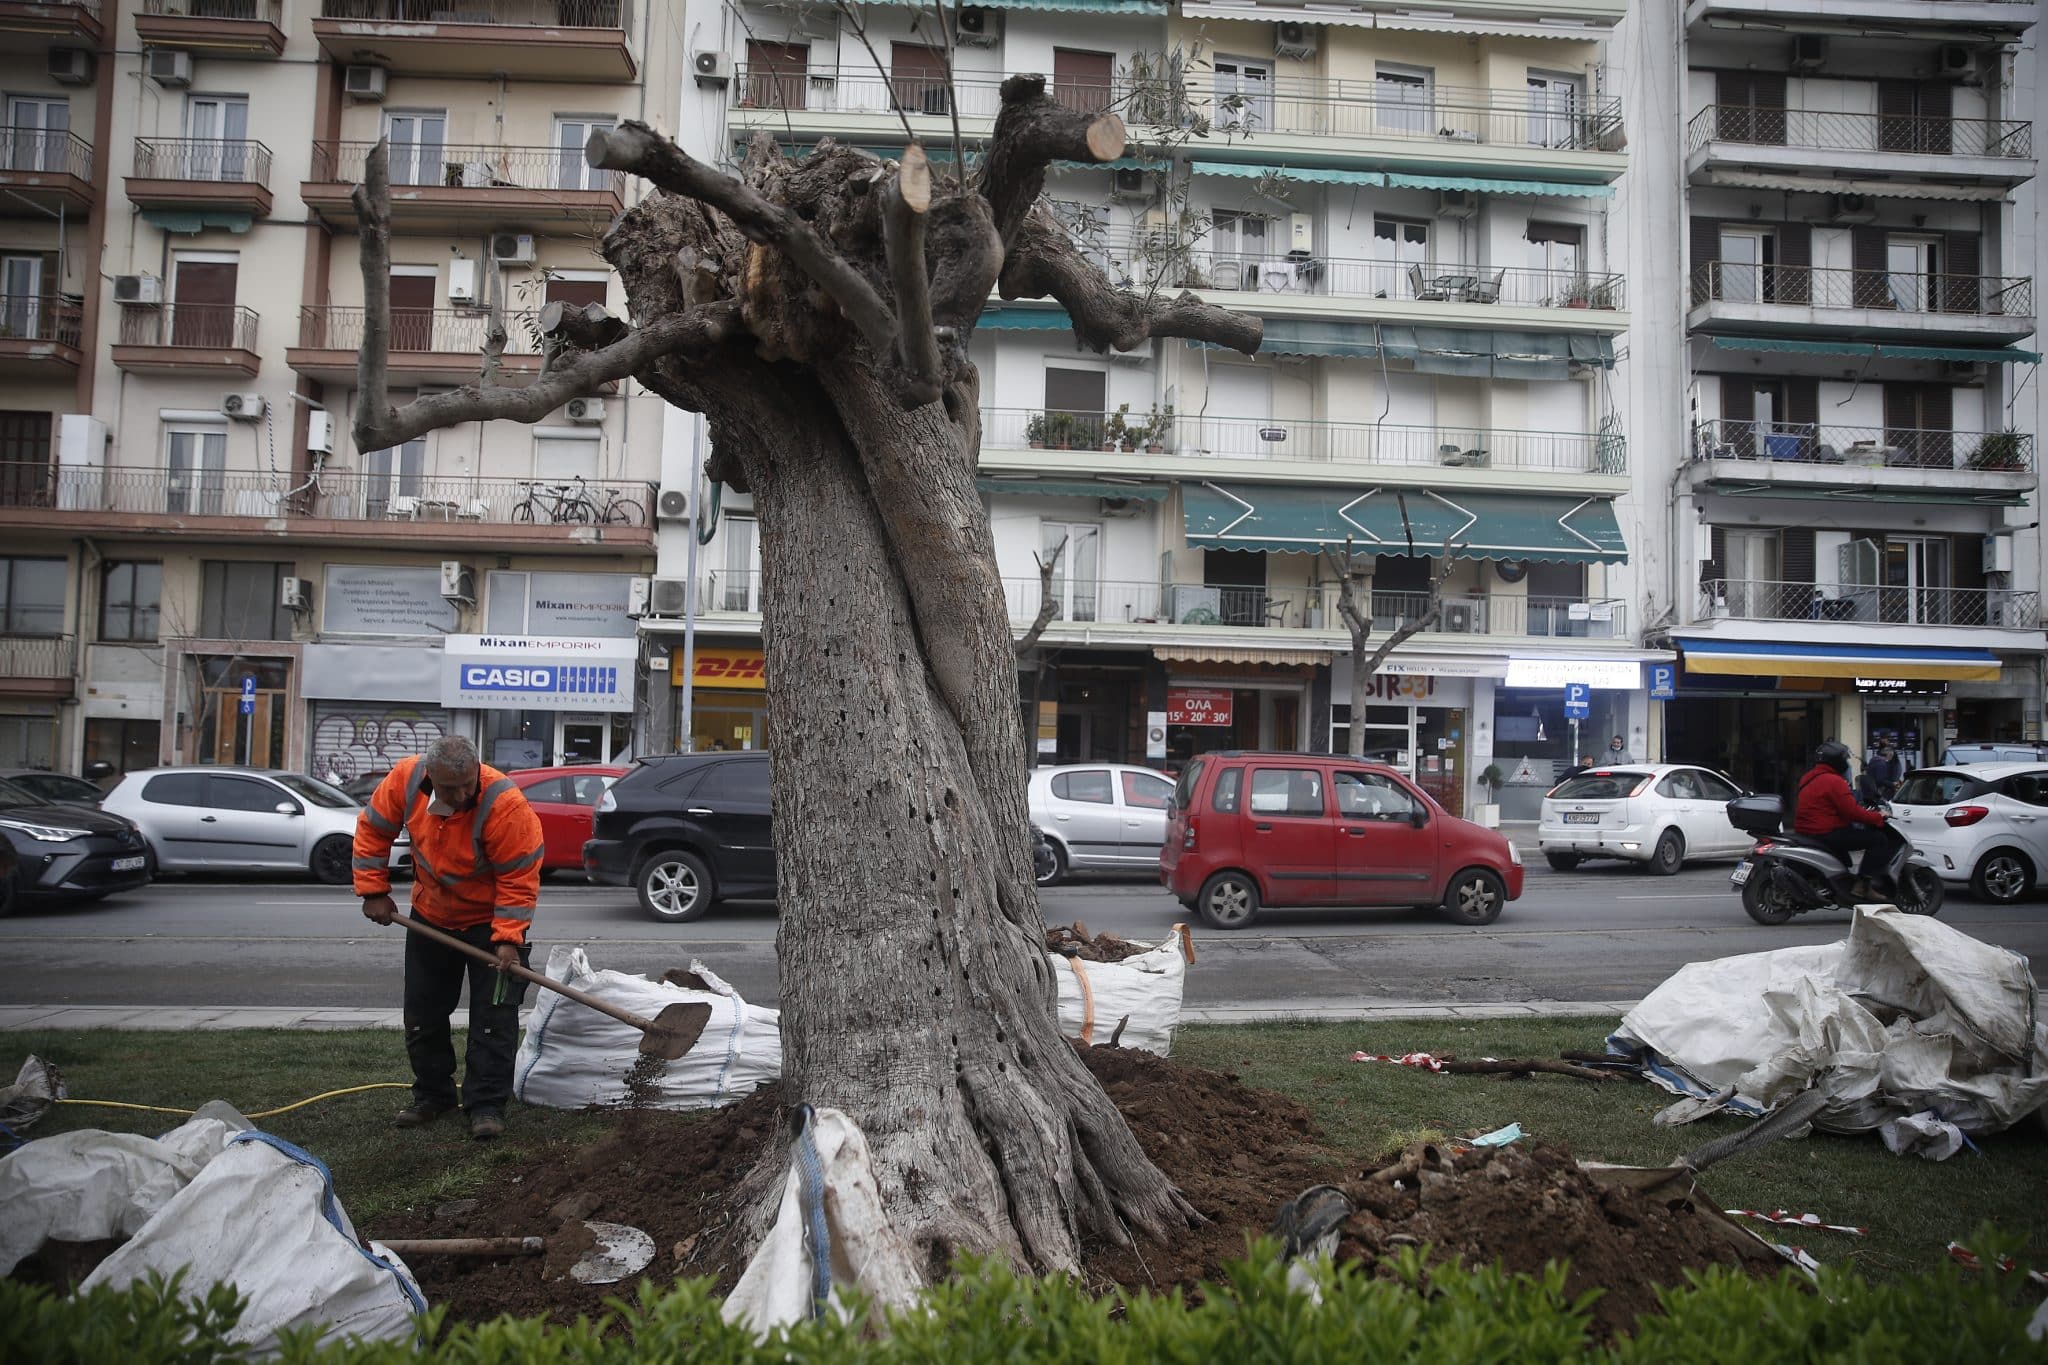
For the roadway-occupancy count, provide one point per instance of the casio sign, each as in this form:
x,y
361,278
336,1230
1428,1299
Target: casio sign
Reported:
x,y
501,678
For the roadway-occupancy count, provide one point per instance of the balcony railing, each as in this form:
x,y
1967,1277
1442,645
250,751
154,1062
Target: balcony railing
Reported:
x,y
208,326
1833,287
1822,131
1756,600
1599,618
437,330
1308,607
1826,443
463,167
1335,108
512,13
40,317
46,152
271,11
38,656
1343,443
198,158
337,496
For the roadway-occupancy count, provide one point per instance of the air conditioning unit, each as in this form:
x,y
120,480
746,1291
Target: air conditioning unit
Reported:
x,y
462,280
587,412
457,583
1953,59
672,505
668,597
974,26
1297,41
636,596
168,67
294,594
712,69
1998,554
1128,184
1301,234
243,407
71,66
138,291
1140,354
1457,204
1120,507
512,248
1460,618
320,432
1809,51
1851,208
363,83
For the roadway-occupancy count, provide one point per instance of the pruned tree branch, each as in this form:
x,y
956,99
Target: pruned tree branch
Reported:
x,y
494,323
906,199
1048,605
372,200
1429,616
1043,263
1032,131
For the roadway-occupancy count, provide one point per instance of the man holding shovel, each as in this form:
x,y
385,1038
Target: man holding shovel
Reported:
x,y
476,848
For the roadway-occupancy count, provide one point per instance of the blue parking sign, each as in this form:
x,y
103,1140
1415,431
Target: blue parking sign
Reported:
x,y
248,694
1578,701
1663,682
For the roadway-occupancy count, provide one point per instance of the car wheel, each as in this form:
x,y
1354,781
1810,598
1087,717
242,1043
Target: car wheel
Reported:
x,y
1474,896
2003,876
1228,900
1049,865
1668,856
333,859
1563,862
675,887
1920,892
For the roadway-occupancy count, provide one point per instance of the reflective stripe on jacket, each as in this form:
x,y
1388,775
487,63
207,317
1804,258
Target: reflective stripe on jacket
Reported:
x,y
477,866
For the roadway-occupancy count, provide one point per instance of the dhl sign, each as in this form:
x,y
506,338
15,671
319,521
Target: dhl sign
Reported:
x,y
720,667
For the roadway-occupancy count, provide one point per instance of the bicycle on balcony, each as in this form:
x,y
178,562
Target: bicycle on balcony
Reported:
x,y
616,507
559,503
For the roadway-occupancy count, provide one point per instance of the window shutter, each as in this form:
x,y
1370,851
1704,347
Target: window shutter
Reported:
x,y
1792,281
1738,400
1937,448
1966,570
1937,107
1802,402
1960,292
1714,568
1796,554
1768,95
1866,255
1706,251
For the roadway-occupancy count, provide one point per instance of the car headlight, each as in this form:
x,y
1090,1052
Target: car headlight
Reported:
x,y
49,834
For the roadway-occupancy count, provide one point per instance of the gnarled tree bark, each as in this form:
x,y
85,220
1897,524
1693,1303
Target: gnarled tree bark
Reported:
x,y
797,309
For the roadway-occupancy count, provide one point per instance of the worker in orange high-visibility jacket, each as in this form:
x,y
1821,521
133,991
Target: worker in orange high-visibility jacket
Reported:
x,y
476,851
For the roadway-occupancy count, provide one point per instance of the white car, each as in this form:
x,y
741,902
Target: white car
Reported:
x,y
209,819
1657,814
1100,817
1985,825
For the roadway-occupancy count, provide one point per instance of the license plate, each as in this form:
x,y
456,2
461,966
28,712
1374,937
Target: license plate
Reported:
x,y
130,864
1593,819
1740,874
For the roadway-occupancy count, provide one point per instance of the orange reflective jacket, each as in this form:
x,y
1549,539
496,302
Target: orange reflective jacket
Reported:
x,y
480,865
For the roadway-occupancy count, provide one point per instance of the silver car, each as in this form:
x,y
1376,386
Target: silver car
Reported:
x,y
208,819
1100,817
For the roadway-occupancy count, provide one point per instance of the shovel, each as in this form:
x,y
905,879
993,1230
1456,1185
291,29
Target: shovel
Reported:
x,y
610,1251
667,1036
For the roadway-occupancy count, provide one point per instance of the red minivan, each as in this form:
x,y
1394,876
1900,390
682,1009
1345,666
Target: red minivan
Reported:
x,y
1247,830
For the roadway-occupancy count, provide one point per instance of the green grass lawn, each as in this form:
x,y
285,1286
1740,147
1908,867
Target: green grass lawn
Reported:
x,y
1912,1207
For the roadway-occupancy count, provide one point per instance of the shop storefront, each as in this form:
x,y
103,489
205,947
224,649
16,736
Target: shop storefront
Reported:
x,y
370,705
1211,706
1536,736
1419,723
544,700
728,697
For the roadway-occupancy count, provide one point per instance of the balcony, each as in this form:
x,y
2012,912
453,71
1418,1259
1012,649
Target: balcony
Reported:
x,y
556,40
438,186
338,507
1324,121
249,29
1868,604
38,331
188,338
38,665
1927,20
1739,141
438,346
42,173
202,174
1787,457
1728,296
75,22
1029,441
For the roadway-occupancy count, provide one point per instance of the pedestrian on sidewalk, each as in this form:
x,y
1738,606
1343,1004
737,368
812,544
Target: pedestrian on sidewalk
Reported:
x,y
476,849
1617,750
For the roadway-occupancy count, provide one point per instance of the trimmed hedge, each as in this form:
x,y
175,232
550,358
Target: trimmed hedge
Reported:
x,y
1431,1317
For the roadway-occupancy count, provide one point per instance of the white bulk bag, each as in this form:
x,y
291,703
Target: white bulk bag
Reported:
x,y
1146,988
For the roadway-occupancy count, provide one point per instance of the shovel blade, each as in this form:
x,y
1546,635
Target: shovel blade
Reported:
x,y
617,1251
674,1031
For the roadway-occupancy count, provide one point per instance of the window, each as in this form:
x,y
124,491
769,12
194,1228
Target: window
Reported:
x,y
413,288
562,458
1075,582
1373,796
736,586
238,600
1746,257
28,742
38,134
555,790
1244,94
389,475
775,75
1081,80
580,287
203,301
587,789
23,309
1146,791
1401,245
131,594
2027,788
217,127
195,470
1402,94
318,792
25,467
1237,248
1912,269
1555,246
1554,102
1679,786
917,79
419,150
176,789
1229,783
245,794
1925,788
1714,787
32,596
1603,785
572,172
1287,791
1075,401
1092,786
746,781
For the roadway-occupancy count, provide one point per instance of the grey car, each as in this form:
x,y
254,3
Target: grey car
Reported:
x,y
208,819
1100,817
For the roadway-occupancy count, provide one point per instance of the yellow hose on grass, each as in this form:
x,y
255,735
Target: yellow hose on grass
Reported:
x,y
267,1113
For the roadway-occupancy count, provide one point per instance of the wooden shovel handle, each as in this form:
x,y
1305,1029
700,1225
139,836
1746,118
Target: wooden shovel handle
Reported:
x,y
467,1246
526,974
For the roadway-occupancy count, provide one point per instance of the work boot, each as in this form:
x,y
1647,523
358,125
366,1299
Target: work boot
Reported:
x,y
485,1124
418,1114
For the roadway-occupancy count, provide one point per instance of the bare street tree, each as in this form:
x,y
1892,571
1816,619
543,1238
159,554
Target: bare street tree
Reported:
x,y
818,312
1352,574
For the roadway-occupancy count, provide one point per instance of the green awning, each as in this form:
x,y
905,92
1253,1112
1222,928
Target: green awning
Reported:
x,y
1544,189
1289,519
1477,352
1047,488
2001,355
1863,350
197,220
1025,320
1306,174
1307,336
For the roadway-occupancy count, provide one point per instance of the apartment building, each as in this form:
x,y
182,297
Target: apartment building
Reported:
x,y
1847,428
1417,203
199,565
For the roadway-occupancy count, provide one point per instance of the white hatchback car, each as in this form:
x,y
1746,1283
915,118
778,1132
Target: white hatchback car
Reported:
x,y
1657,814
1985,825
213,819
1100,817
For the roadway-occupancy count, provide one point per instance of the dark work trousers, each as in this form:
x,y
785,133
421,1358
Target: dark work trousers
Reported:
x,y
1848,839
433,986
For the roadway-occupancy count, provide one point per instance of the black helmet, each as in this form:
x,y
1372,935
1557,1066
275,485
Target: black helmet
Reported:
x,y
1834,754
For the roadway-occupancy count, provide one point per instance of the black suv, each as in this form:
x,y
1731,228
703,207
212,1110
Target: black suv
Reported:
x,y
686,831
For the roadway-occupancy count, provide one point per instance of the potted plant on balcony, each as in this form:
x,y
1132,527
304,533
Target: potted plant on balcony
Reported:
x,y
1578,293
1159,430
1491,779
1034,431
1998,450
1116,432
1059,430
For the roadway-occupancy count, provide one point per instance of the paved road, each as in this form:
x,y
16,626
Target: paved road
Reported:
x,y
1599,933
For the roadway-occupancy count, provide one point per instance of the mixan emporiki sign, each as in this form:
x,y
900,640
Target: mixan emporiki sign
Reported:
x,y
538,673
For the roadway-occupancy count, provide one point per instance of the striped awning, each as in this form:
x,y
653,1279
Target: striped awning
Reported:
x,y
1252,170
1234,654
1543,189
1773,658
1876,189
1070,488
1304,519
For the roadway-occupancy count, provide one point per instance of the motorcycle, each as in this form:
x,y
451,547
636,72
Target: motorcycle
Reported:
x,y
1790,874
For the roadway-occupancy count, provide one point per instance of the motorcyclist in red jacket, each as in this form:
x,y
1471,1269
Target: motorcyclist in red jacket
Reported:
x,y
1825,809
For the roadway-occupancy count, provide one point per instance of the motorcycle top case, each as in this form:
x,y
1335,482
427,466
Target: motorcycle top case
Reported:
x,y
1757,815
